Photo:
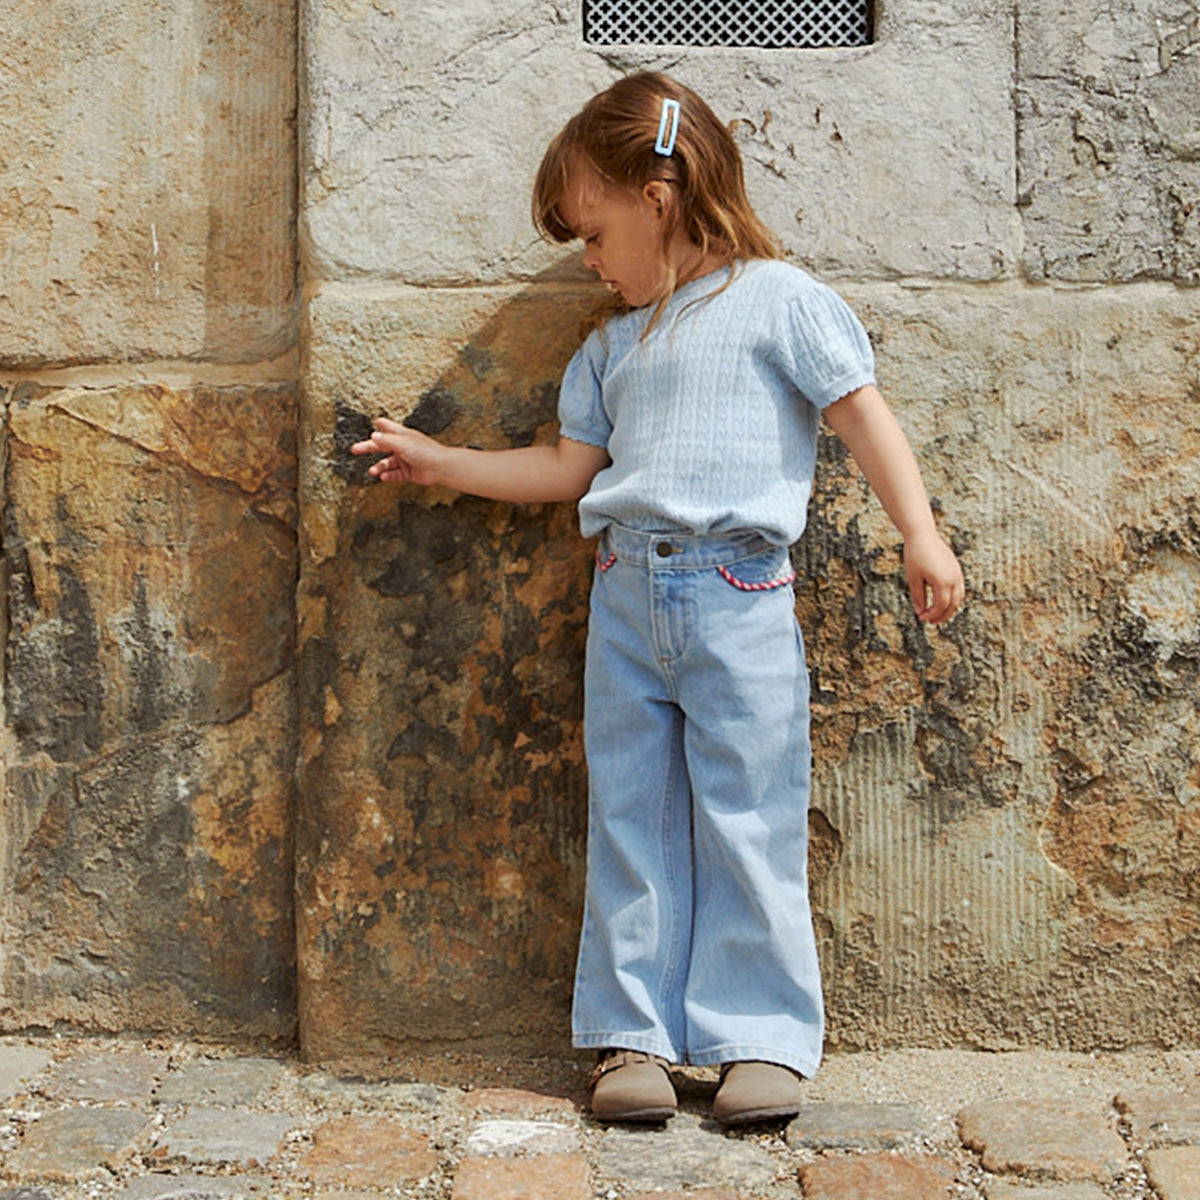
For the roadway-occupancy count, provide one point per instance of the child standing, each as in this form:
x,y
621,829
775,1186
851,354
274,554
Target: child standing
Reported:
x,y
688,436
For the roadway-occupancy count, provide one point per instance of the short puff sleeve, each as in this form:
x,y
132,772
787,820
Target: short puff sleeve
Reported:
x,y
581,414
827,351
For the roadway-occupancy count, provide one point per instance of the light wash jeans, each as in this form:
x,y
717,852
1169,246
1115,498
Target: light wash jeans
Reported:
x,y
697,939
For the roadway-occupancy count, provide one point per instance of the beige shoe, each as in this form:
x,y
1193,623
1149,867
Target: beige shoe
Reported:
x,y
756,1091
630,1086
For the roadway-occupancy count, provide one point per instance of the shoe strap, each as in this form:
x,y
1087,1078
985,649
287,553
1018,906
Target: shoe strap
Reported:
x,y
614,1060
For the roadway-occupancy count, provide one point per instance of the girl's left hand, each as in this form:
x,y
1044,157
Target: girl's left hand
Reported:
x,y
935,579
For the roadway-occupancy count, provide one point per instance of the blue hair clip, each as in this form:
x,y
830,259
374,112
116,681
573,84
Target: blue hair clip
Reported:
x,y
668,129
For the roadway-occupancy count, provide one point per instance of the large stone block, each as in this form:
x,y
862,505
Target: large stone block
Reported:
x,y
1109,147
425,128
150,558
147,181
440,843
1004,835
1009,819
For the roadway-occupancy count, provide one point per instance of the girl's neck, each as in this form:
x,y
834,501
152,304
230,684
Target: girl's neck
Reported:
x,y
691,264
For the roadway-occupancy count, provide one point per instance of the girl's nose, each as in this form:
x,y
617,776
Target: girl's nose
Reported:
x,y
591,259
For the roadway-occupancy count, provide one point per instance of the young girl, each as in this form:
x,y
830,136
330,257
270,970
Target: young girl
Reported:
x,y
688,435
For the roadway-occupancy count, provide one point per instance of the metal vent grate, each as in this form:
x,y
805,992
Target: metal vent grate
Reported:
x,y
773,24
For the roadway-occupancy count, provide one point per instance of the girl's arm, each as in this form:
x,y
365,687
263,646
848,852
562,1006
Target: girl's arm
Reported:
x,y
873,436
530,474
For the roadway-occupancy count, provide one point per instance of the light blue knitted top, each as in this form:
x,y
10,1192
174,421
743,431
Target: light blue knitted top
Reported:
x,y
711,420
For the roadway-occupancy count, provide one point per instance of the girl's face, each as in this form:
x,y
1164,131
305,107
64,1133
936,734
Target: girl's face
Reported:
x,y
622,233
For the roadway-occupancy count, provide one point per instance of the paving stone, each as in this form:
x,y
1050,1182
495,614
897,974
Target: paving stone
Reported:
x,y
828,1126
18,1065
368,1152
76,1144
120,1076
1175,1172
206,1135
331,1089
1162,1118
423,1097
196,1187
690,1194
1058,1191
519,1101
340,1195
545,1177
878,1176
683,1155
1043,1140
220,1082
507,1138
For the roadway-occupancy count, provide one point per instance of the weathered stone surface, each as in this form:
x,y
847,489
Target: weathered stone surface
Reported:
x,y
220,1082
150,555
325,1089
683,1155
1162,1118
1006,828
75,1144
1058,1191
518,1101
440,851
834,1126
1109,153
1175,1172
689,1194
880,1176
996,854
128,1076
912,175
1005,839
225,1136
368,1152
1043,1140
195,1187
18,1065
547,1177
507,1139
147,194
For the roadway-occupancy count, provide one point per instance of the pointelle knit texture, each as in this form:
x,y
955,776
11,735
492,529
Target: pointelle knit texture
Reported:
x,y
711,420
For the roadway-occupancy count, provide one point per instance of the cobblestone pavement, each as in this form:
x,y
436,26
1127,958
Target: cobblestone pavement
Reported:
x,y
160,1120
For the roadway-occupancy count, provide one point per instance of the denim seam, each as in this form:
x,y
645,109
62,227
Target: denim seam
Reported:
x,y
669,977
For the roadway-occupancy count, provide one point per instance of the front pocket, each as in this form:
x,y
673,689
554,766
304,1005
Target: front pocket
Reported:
x,y
746,578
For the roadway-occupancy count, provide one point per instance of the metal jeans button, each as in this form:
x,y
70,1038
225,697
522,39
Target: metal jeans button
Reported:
x,y
664,550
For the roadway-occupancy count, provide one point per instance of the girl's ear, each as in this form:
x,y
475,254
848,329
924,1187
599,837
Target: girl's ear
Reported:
x,y
657,193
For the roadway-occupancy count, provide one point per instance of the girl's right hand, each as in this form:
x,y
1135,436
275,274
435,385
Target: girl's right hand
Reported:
x,y
411,457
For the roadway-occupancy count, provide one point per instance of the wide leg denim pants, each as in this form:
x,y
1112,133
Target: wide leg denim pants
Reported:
x,y
697,940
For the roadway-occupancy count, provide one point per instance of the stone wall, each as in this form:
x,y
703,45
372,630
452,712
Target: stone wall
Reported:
x,y
148,367
1006,831
204,592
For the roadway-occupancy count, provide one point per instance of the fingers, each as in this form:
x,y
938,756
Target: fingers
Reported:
x,y
403,454
390,469
376,444
938,601
389,440
935,578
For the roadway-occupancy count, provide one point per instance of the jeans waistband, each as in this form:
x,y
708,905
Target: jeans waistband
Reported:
x,y
680,551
